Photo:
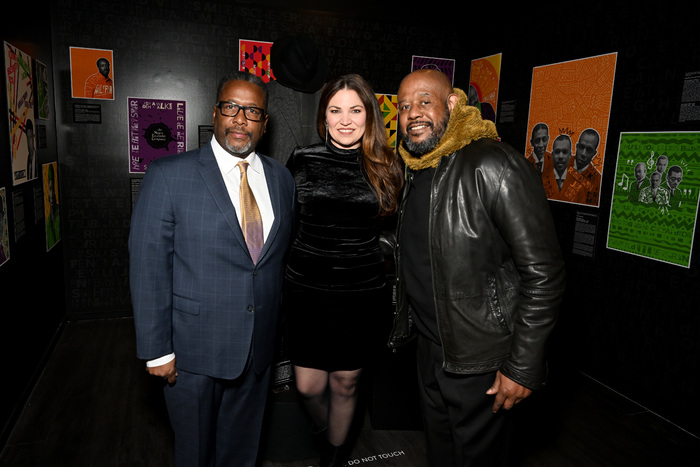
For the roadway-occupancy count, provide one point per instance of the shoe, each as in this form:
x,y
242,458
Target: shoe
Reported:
x,y
333,456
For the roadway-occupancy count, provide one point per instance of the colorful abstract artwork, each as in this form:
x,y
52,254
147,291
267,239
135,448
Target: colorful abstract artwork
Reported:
x,y
255,59
388,105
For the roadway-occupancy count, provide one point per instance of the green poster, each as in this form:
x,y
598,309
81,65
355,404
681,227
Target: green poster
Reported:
x,y
655,200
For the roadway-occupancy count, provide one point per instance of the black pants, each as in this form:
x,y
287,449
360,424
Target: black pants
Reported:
x,y
460,426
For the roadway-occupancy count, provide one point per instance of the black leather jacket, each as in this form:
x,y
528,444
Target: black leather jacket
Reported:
x,y
498,273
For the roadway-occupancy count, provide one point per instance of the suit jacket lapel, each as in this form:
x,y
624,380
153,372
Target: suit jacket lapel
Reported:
x,y
212,177
273,189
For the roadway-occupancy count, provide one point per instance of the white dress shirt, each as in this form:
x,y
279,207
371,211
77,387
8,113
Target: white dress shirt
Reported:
x,y
256,180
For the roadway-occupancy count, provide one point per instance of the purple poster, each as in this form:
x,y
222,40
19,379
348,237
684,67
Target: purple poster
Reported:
x,y
156,129
446,65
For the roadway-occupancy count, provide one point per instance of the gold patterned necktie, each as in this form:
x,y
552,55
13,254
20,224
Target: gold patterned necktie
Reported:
x,y
252,220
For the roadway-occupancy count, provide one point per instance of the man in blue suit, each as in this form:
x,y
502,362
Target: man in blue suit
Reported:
x,y
205,311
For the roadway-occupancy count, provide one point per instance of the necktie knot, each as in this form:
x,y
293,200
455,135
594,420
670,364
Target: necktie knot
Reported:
x,y
243,166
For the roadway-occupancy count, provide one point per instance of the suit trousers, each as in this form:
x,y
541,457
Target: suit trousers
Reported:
x,y
460,426
217,422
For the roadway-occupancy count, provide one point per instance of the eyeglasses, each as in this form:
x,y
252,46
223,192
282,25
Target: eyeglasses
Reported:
x,y
229,109
675,179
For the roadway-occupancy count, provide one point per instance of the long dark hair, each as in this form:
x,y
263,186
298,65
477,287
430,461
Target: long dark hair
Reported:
x,y
380,163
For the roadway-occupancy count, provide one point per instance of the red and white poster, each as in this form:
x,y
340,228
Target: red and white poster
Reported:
x,y
255,58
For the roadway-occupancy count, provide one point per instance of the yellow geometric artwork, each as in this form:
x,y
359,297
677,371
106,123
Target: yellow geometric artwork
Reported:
x,y
388,104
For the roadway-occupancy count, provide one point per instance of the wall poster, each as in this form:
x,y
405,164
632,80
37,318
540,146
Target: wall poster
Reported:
x,y
20,112
156,129
42,90
483,85
655,199
51,212
388,104
568,125
446,65
4,233
92,73
255,58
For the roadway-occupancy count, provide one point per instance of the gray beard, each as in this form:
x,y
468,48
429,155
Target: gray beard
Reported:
x,y
238,151
422,148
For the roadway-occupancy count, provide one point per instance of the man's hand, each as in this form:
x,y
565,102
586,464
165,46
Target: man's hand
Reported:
x,y
508,392
166,371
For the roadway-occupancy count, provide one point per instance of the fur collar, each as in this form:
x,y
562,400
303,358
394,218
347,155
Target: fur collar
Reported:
x,y
465,126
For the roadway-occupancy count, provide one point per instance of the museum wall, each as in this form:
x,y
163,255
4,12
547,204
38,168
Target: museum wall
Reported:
x,y
627,321
31,271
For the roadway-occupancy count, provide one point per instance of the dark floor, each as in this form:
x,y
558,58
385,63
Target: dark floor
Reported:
x,y
94,405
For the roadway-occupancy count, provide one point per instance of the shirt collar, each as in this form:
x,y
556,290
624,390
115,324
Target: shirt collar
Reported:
x,y
580,169
227,162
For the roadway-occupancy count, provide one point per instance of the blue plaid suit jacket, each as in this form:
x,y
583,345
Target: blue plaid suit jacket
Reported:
x,y
195,290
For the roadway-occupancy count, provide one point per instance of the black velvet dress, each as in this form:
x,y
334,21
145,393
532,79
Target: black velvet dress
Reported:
x,y
335,274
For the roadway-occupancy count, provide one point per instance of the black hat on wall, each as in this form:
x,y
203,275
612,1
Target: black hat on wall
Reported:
x,y
297,63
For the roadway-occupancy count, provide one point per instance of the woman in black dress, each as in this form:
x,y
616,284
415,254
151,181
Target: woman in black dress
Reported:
x,y
346,185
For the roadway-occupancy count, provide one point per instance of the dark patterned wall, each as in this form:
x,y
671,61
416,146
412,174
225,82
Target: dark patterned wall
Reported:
x,y
180,53
627,321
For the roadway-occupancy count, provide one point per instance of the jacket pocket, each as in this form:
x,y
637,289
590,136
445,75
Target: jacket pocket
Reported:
x,y
499,303
185,305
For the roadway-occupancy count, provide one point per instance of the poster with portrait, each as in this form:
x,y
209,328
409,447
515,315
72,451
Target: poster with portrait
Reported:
x,y
91,73
255,58
52,215
568,126
19,79
446,65
42,90
157,128
655,200
484,79
4,233
388,104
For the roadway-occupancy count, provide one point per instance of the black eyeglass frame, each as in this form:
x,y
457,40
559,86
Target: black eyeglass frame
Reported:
x,y
238,108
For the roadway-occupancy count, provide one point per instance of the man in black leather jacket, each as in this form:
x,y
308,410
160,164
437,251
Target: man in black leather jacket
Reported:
x,y
480,272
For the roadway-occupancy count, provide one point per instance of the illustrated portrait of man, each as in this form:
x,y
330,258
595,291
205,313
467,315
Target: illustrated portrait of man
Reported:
x,y
539,140
588,176
555,179
640,181
654,193
661,164
673,179
99,85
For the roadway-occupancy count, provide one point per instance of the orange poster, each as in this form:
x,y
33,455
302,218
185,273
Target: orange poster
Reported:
x,y
483,85
92,73
568,124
